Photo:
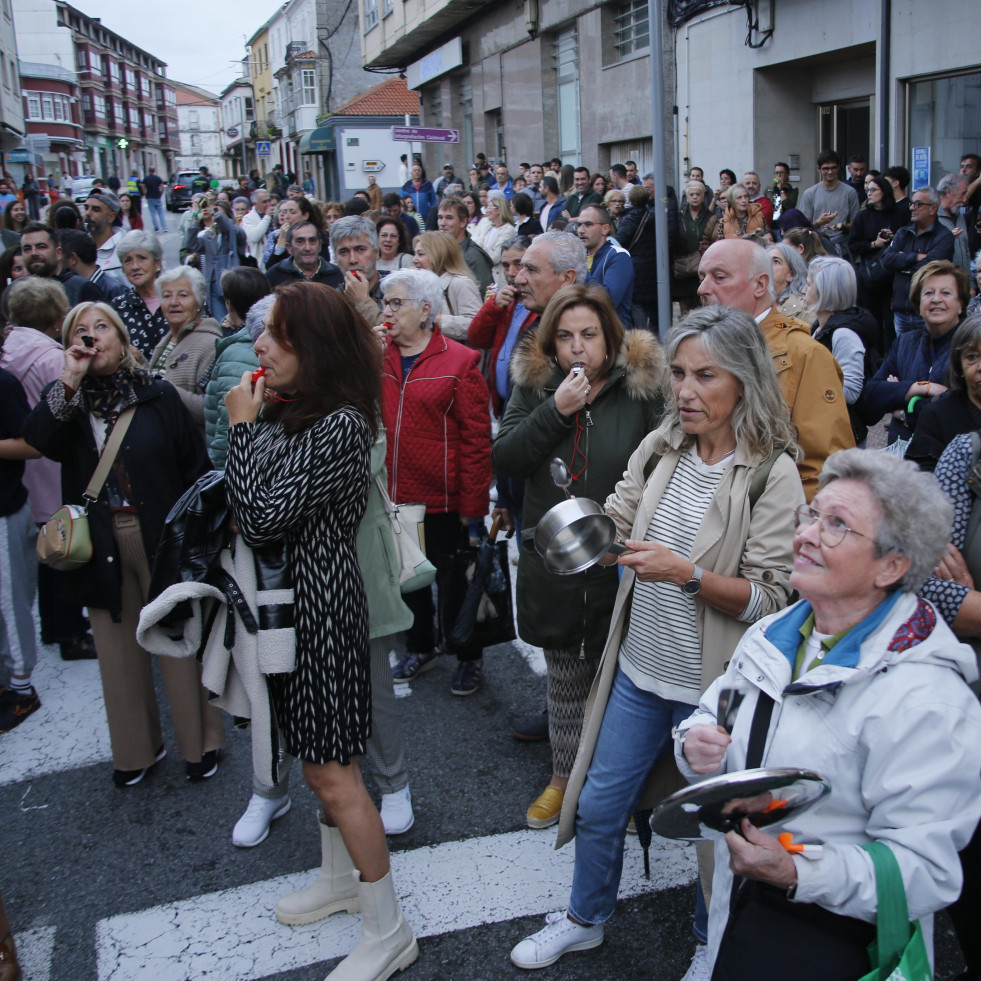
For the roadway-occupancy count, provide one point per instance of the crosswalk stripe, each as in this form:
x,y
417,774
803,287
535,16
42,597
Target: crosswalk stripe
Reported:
x,y
232,935
35,949
68,731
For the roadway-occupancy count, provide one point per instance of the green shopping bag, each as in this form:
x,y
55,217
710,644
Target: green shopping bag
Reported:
x,y
899,950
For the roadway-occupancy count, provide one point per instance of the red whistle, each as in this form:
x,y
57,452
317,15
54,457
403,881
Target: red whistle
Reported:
x,y
257,374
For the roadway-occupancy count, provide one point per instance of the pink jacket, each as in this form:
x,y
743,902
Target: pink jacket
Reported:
x,y
35,360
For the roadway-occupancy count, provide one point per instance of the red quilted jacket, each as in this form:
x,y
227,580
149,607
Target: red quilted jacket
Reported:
x,y
488,330
438,428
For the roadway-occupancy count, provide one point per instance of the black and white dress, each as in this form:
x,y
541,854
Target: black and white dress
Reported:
x,y
310,489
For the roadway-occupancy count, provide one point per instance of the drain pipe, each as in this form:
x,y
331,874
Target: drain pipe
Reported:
x,y
885,83
659,169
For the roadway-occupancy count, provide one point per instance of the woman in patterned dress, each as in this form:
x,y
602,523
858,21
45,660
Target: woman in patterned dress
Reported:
x,y
139,307
297,469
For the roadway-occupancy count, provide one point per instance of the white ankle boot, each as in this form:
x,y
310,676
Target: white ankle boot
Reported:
x,y
387,945
334,890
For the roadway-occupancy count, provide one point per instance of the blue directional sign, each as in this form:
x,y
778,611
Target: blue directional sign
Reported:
x,y
263,148
405,134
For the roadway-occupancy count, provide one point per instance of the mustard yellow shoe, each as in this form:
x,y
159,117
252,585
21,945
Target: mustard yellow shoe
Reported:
x,y
545,811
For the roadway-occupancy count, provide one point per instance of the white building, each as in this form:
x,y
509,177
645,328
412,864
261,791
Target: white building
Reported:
x,y
237,117
199,123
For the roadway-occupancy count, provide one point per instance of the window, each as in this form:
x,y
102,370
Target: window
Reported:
x,y
33,105
309,80
114,70
47,106
82,59
632,30
943,114
134,118
370,14
249,109
59,109
100,105
193,119
387,7
130,78
163,130
148,121
566,59
196,142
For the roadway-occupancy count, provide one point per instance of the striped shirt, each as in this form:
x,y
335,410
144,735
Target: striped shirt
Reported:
x,y
660,651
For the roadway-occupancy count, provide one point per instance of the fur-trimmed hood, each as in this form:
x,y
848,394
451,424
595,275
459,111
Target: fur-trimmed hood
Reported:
x,y
640,362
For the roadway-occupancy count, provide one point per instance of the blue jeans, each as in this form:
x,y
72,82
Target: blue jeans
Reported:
x,y
156,206
636,731
906,321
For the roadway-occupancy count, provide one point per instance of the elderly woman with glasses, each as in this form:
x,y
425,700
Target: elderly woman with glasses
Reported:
x,y
138,307
435,406
862,682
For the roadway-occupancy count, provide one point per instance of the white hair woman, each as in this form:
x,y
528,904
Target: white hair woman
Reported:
x,y
789,278
494,229
863,683
185,353
436,410
141,254
845,329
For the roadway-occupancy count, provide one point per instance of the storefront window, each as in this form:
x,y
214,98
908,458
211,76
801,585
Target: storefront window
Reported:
x,y
944,114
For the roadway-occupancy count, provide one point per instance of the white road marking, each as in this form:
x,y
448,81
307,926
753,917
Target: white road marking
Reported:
x,y
232,935
35,949
68,731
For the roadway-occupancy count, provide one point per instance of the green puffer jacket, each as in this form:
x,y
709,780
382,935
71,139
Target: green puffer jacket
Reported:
x,y
379,562
573,612
235,355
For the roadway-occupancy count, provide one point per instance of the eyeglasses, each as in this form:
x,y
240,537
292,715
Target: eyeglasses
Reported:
x,y
395,302
831,528
590,224
919,204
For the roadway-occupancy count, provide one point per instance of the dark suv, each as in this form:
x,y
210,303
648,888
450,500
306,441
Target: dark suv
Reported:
x,y
179,190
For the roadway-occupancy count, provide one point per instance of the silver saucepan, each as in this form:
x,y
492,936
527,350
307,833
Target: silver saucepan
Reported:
x,y
575,535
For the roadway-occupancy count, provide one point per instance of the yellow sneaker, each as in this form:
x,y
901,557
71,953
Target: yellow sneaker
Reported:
x,y
545,811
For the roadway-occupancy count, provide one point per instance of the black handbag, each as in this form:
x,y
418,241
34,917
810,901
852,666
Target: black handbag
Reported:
x,y
872,274
476,605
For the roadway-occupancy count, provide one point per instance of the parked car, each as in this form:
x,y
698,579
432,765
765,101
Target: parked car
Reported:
x,y
81,186
178,193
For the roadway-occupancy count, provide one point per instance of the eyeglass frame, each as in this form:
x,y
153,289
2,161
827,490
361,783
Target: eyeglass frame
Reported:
x,y
805,511
395,302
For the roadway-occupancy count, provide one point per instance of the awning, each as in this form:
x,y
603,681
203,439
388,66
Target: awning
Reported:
x,y
318,140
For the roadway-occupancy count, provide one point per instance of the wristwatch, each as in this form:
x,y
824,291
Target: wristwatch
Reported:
x,y
694,585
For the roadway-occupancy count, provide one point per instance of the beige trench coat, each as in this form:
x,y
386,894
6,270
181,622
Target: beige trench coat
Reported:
x,y
731,541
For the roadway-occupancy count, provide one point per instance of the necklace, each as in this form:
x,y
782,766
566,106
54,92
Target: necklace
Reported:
x,y
718,459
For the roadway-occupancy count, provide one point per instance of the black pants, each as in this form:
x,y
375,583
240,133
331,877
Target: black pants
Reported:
x,y
769,936
61,622
966,911
443,534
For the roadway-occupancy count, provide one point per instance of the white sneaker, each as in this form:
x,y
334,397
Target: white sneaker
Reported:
x,y
559,936
252,827
701,966
396,812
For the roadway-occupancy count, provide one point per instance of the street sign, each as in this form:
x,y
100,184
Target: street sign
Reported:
x,y
232,133
20,156
372,166
405,134
263,148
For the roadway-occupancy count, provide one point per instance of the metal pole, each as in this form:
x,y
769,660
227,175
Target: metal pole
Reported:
x,y
660,172
885,45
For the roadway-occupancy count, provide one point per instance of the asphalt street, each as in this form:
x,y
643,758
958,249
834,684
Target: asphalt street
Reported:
x,y
144,884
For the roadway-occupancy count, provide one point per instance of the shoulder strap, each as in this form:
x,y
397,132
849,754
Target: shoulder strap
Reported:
x,y
758,484
109,453
640,228
758,729
892,914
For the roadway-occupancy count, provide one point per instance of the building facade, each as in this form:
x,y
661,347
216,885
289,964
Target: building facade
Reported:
x,y
53,117
237,117
746,84
199,129
128,106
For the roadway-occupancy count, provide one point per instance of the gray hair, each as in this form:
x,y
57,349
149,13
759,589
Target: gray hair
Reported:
x,y
353,226
697,185
949,182
931,194
760,265
192,275
914,517
139,239
256,195
833,284
421,285
257,313
730,337
731,193
565,252
795,262
966,337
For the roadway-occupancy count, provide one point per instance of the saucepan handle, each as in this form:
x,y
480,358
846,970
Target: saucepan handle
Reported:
x,y
618,548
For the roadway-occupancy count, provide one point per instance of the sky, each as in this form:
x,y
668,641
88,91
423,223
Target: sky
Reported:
x,y
200,41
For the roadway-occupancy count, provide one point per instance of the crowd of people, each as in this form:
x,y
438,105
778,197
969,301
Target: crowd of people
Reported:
x,y
484,328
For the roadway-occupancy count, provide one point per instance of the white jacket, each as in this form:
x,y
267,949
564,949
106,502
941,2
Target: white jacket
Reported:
x,y
255,227
899,739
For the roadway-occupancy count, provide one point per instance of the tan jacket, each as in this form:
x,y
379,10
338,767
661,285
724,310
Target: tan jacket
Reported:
x,y
462,305
811,383
731,541
186,364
